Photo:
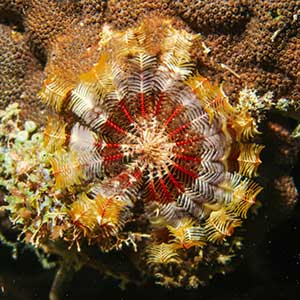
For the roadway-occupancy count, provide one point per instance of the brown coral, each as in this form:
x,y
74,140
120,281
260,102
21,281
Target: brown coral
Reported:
x,y
123,18
21,73
45,20
287,192
213,15
266,32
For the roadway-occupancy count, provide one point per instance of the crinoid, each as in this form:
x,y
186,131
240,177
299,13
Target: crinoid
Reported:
x,y
152,148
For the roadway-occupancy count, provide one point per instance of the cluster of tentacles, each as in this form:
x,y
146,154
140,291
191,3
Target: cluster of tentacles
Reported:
x,y
151,137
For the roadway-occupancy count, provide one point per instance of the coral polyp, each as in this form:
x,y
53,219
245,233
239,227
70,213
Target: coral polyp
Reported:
x,y
145,151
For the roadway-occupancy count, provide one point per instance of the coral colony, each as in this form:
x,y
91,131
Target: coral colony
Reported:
x,y
144,156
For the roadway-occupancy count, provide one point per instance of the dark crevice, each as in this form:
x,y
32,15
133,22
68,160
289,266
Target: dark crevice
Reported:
x,y
39,53
12,19
296,173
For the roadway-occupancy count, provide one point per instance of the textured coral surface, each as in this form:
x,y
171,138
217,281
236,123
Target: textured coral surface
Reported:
x,y
250,49
257,40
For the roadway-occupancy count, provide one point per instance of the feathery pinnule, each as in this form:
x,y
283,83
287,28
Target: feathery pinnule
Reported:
x,y
66,169
187,234
249,159
163,254
55,135
55,91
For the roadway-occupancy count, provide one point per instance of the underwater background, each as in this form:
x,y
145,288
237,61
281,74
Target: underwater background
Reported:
x,y
273,275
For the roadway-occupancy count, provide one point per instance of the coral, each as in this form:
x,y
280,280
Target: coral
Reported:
x,y
255,52
17,62
241,39
213,15
287,192
154,156
20,73
13,69
45,20
288,58
147,157
122,18
286,147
